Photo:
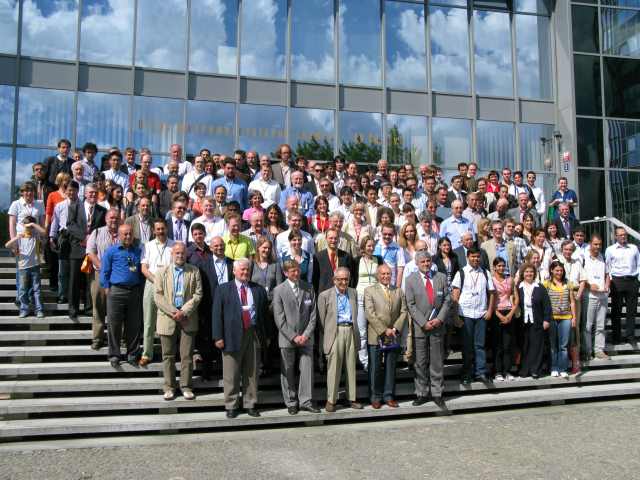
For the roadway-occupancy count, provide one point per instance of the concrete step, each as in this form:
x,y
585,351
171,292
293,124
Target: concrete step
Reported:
x,y
273,396
43,335
12,281
47,320
14,429
47,306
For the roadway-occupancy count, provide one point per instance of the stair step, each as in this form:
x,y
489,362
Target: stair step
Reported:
x,y
47,306
47,320
29,335
217,420
12,281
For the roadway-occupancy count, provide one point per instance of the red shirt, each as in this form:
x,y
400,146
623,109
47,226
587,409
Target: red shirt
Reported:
x,y
153,181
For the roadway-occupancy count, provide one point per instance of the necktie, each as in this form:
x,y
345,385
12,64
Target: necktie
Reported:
x,y
246,315
332,259
429,288
89,220
296,292
178,234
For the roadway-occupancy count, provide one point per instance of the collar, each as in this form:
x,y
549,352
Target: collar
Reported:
x,y
241,284
345,294
619,245
178,268
292,284
217,258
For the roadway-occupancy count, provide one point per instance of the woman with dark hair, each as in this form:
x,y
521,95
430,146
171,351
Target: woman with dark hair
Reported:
x,y
536,317
528,227
304,259
553,240
197,205
446,261
255,205
320,220
502,323
385,218
274,220
115,200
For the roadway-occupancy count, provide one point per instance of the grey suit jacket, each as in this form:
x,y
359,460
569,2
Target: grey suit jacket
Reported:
x,y
515,214
489,247
328,317
294,317
134,221
418,304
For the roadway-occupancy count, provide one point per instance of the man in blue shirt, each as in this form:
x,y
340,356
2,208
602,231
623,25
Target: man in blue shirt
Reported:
x,y
296,190
121,277
236,189
454,226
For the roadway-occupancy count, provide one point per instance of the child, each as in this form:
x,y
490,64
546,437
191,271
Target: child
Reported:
x,y
26,246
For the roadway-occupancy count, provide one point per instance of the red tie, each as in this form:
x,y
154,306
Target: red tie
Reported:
x,y
332,259
429,288
246,315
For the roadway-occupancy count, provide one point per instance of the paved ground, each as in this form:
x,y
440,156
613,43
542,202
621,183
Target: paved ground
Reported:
x,y
597,441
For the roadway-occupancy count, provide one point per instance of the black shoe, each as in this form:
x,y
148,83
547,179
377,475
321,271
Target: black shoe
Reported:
x,y
292,410
310,408
115,362
439,401
631,339
96,345
133,361
88,313
206,373
62,300
73,316
482,378
466,380
252,412
232,413
420,400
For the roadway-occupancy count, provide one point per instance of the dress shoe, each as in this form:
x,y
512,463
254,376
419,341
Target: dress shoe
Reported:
x,y
419,401
631,339
88,313
439,401
310,408
169,395
292,410
376,404
252,412
482,378
115,362
356,405
96,345
466,380
232,413
73,316
144,361
392,403
62,300
188,394
330,407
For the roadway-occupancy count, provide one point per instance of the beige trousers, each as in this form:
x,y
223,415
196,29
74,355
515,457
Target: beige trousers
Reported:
x,y
240,370
342,357
99,300
169,343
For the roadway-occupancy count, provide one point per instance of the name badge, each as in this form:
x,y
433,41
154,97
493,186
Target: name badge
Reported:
x,y
440,293
308,302
474,294
159,265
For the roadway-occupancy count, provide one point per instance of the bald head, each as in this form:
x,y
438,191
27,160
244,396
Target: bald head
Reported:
x,y
179,253
125,235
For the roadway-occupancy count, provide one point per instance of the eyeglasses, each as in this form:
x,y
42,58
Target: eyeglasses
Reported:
x,y
340,279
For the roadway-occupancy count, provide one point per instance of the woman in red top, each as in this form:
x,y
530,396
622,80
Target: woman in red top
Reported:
x,y
493,185
320,220
197,205
54,198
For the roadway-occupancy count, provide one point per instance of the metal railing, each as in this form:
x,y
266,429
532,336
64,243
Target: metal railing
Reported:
x,y
605,226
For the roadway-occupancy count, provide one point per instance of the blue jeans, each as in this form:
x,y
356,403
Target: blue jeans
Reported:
x,y
29,283
473,353
559,332
377,371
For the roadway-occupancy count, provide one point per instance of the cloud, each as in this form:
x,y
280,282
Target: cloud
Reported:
x,y
103,119
359,51
51,33
7,98
262,52
493,64
161,35
107,32
212,47
449,50
533,47
406,64
53,110
8,25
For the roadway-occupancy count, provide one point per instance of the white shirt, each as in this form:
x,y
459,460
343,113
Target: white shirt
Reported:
x,y
528,305
183,168
59,220
541,204
87,207
431,239
622,261
156,255
213,227
596,271
334,202
119,178
220,264
270,191
473,300
184,233
20,210
89,170
249,303
282,243
191,177
581,251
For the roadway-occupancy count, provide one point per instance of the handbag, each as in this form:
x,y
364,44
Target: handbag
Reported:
x,y
87,265
387,343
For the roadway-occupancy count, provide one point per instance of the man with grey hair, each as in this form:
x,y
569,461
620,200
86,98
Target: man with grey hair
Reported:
x,y
502,205
239,316
266,185
345,241
454,226
428,303
523,209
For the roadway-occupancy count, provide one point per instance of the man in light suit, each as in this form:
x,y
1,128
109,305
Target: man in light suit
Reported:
x,y
142,223
428,303
294,312
338,314
499,246
178,291
386,312
239,309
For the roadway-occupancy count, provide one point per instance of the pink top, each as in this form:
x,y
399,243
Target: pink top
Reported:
x,y
246,215
504,289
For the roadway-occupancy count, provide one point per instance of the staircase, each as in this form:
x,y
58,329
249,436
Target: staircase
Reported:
x,y
52,385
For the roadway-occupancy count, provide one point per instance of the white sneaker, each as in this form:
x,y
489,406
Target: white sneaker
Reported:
x,y
555,374
498,378
564,374
509,378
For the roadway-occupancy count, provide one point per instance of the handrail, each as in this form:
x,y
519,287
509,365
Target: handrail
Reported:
x,y
613,221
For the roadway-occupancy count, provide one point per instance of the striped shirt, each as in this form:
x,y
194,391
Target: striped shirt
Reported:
x,y
99,240
560,300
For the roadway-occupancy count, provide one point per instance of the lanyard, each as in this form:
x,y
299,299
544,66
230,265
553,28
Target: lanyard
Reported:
x,y
220,272
233,248
369,270
160,252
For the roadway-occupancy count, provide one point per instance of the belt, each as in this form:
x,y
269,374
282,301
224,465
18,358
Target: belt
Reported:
x,y
344,324
124,287
625,277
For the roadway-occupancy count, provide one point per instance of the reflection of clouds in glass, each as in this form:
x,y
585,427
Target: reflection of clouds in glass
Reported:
x,y
25,158
406,51
213,36
308,123
5,179
493,53
157,123
363,126
413,133
161,36
7,99
312,41
8,25
107,31
103,119
210,125
49,28
531,154
449,49
263,30
44,116
495,145
359,24
533,54
261,128
451,141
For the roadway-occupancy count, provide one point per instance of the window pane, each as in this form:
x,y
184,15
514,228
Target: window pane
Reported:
x,y
157,123
451,2
25,158
449,49
312,132
591,185
531,151
264,24
620,32
491,3
360,136
9,25
261,128
107,31
587,77
622,3
625,196
585,29
312,41
590,144
451,141
210,125
407,140
7,102
359,23
103,119
406,50
5,189
621,87
161,37
213,36
493,54
533,6
49,28
53,110
624,144
495,145
534,56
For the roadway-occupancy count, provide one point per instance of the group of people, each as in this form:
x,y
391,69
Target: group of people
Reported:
x,y
305,266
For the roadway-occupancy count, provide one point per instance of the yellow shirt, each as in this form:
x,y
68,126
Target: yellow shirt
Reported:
x,y
242,247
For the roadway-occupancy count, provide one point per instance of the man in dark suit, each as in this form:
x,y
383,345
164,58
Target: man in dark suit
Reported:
x,y
282,171
212,266
327,261
177,226
59,163
564,222
522,209
239,310
456,192
466,240
83,218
